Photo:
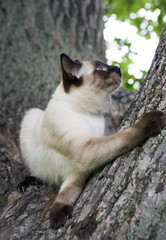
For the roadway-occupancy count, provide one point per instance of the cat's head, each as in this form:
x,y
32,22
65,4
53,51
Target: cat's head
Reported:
x,y
87,85
96,74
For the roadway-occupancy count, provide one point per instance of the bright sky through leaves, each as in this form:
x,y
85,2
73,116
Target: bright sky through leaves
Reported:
x,y
124,44
144,48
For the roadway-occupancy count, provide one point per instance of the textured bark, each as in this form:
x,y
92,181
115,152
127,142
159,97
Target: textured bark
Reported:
x,y
123,200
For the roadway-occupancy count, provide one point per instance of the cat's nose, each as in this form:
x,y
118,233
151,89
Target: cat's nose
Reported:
x,y
115,69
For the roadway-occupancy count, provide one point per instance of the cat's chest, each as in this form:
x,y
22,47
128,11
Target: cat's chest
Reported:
x,y
96,124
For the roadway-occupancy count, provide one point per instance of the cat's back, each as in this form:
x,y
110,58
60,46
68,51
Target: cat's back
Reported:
x,y
30,126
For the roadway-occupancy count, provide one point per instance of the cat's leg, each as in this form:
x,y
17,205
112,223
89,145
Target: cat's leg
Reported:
x,y
62,207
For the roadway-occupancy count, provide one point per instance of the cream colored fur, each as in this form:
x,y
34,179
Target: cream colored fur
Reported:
x,y
53,141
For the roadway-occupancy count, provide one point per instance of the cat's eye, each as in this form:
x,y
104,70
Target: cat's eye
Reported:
x,y
99,67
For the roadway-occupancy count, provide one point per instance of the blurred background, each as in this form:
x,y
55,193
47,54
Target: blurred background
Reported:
x,y
132,31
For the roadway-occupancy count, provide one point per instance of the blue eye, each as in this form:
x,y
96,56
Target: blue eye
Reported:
x,y
99,68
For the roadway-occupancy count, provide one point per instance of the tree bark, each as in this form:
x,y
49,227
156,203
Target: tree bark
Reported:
x,y
123,200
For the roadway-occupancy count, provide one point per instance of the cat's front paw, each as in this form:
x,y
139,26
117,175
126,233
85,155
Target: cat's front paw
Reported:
x,y
59,214
152,123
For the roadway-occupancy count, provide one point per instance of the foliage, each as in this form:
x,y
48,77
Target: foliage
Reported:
x,y
137,13
129,10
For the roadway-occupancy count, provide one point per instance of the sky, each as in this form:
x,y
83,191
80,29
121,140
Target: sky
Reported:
x,y
144,48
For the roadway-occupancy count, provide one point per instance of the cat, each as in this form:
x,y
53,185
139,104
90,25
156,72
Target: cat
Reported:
x,y
64,143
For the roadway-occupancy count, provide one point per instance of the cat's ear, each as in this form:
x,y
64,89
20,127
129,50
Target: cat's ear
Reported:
x,y
70,72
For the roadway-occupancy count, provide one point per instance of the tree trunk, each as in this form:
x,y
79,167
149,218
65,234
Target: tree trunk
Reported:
x,y
123,200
